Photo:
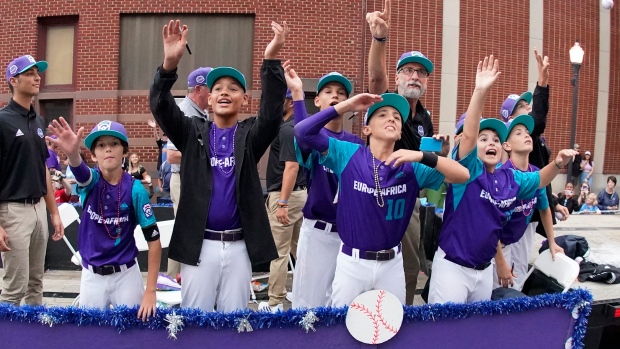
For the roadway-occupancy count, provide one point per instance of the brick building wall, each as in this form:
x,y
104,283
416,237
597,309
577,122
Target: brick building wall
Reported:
x,y
612,144
333,36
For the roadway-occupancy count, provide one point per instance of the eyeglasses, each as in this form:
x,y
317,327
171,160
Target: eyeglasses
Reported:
x,y
422,73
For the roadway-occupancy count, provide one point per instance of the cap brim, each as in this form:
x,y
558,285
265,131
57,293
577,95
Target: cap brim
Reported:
x,y
41,65
335,78
417,59
393,100
495,125
221,72
526,96
88,141
524,120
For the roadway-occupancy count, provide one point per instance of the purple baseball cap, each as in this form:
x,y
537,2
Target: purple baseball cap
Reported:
x,y
23,63
198,77
106,128
459,125
415,57
508,107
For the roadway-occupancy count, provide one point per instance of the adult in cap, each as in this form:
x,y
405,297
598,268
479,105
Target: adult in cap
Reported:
x,y
24,181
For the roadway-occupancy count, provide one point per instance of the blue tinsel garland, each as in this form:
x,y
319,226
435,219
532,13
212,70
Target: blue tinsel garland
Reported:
x,y
123,318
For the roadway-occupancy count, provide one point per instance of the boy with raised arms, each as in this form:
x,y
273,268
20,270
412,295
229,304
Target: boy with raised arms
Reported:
x,y
377,192
221,228
475,212
319,242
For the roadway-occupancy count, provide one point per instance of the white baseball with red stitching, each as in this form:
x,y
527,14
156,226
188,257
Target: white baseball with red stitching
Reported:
x,y
374,317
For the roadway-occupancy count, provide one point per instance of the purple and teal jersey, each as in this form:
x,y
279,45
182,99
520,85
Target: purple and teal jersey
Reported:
x,y
477,211
322,182
223,211
99,240
522,213
362,223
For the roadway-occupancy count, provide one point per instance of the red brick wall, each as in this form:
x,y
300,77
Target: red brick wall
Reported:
x,y
333,36
612,144
500,28
566,21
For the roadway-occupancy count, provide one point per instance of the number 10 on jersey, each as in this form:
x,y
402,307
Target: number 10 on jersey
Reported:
x,y
396,210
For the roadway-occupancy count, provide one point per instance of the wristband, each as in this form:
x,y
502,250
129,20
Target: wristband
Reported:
x,y
283,202
429,159
555,161
282,206
380,39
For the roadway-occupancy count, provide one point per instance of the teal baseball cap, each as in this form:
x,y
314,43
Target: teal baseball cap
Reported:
x,y
415,57
495,125
522,119
220,72
393,100
334,77
106,128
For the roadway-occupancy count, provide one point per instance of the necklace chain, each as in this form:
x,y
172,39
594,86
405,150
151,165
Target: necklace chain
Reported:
x,y
118,212
378,194
528,212
226,172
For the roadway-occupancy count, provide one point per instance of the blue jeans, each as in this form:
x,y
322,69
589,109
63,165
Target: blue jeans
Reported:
x,y
583,176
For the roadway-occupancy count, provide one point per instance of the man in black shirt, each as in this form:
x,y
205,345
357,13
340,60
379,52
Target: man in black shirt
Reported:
x,y
286,185
24,180
412,72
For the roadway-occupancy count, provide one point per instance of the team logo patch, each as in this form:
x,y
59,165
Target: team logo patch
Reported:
x,y
420,130
19,133
104,125
515,97
40,132
505,114
148,212
200,79
13,69
31,59
124,206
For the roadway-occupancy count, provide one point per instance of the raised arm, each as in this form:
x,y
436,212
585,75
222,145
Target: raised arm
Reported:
x,y
377,70
170,118
486,75
548,173
273,87
293,82
308,132
540,105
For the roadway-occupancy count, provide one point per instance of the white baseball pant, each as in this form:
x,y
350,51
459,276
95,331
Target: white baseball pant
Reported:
x,y
317,250
222,277
355,276
518,253
101,291
451,282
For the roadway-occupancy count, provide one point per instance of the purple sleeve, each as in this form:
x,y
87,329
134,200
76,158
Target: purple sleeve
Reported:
x,y
299,111
308,132
81,173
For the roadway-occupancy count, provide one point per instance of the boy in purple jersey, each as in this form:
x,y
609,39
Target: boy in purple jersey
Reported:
x,y
221,229
319,242
476,212
377,192
113,205
511,261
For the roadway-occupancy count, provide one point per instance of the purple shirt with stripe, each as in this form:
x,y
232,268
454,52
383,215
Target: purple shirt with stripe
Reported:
x,y
476,211
364,223
223,211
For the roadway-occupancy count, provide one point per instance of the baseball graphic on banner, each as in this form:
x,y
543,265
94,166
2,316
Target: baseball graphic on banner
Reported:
x,y
374,317
607,4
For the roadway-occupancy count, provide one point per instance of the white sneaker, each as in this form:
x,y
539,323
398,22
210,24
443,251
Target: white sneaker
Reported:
x,y
264,306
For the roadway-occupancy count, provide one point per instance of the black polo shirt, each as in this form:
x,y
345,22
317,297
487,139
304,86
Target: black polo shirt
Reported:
x,y
282,150
418,125
22,153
